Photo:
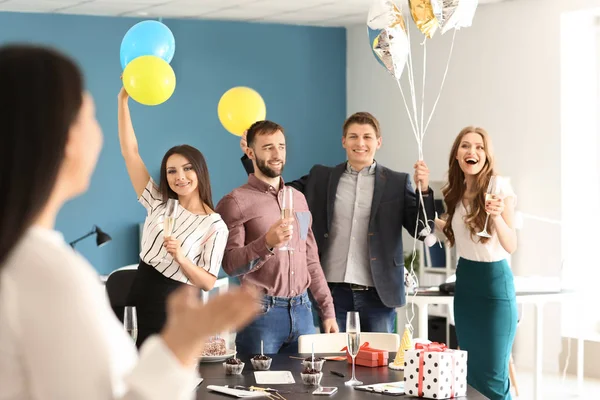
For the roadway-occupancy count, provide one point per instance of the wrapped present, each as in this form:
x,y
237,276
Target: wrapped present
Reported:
x,y
369,357
433,371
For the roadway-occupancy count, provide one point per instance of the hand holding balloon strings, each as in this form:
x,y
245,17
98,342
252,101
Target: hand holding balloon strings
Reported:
x,y
389,36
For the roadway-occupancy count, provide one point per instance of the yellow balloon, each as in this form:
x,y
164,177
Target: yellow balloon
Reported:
x,y
240,107
149,80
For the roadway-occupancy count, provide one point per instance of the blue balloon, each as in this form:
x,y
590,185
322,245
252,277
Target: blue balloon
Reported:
x,y
147,38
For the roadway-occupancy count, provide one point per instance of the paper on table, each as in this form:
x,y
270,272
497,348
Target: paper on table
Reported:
x,y
273,377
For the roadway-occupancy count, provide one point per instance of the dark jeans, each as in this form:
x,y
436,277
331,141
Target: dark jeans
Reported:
x,y
281,322
374,315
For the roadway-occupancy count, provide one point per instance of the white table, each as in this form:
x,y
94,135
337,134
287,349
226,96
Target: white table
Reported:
x,y
423,299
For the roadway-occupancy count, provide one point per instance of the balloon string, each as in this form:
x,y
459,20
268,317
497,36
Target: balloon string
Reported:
x,y
422,133
413,280
419,130
419,134
411,82
442,85
408,111
412,118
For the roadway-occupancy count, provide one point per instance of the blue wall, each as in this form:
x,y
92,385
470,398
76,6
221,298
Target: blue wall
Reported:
x,y
299,71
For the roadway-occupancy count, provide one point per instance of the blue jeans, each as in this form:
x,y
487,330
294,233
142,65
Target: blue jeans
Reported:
x,y
374,315
282,320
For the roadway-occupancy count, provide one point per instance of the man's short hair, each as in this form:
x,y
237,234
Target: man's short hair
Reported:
x,y
264,127
362,118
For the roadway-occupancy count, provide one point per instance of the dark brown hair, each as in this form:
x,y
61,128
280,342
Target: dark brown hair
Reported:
x,y
362,118
455,189
264,127
195,157
41,94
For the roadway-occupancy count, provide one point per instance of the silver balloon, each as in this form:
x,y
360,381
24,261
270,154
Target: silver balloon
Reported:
x,y
463,15
443,10
387,36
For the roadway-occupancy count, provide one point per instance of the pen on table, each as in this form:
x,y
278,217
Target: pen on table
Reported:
x,y
338,374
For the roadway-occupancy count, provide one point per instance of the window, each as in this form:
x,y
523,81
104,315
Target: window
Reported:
x,y
580,162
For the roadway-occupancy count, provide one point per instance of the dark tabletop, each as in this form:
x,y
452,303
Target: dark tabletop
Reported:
x,y
214,374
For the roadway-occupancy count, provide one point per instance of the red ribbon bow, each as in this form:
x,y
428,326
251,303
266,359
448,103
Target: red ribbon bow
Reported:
x,y
433,348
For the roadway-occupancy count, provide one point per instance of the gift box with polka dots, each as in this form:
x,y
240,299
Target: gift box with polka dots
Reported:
x,y
435,374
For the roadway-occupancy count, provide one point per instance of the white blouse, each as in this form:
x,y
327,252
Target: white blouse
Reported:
x,y
469,247
203,237
59,338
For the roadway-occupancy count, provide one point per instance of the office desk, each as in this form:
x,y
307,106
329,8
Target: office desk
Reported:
x,y
214,374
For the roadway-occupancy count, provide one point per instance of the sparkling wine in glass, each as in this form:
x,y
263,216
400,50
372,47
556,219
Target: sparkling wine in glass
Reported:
x,y
169,219
287,210
130,322
353,334
492,189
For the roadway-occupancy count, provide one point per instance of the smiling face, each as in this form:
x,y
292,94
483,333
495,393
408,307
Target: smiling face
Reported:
x,y
181,176
471,154
268,151
361,143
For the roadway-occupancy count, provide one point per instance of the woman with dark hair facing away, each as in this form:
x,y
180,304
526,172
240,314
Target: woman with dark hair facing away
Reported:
x,y
192,252
480,223
59,338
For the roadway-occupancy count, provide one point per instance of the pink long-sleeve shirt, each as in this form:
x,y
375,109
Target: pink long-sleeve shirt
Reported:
x,y
249,211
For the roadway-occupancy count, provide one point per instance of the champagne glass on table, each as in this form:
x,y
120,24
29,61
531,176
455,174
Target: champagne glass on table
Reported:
x,y
169,219
492,189
353,333
130,322
287,210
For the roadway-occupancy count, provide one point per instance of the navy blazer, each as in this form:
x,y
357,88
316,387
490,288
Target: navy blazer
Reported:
x,y
395,205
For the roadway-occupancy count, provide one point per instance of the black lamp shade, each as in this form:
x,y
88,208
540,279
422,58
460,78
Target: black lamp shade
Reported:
x,y
102,237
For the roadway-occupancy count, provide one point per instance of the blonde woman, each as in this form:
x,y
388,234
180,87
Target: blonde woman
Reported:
x,y
485,307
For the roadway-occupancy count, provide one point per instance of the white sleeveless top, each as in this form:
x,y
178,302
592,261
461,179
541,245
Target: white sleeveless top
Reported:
x,y
469,247
203,237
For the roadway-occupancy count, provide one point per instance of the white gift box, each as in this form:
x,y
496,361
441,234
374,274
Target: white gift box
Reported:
x,y
435,372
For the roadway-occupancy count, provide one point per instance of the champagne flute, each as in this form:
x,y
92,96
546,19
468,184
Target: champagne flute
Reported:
x,y
287,210
492,189
169,219
130,322
353,333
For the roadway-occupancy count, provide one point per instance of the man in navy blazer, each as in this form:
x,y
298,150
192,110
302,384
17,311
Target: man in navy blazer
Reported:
x,y
359,209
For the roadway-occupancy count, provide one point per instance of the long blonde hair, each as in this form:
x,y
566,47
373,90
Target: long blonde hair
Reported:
x,y
456,187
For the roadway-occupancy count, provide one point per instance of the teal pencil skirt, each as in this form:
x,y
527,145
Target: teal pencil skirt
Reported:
x,y
485,313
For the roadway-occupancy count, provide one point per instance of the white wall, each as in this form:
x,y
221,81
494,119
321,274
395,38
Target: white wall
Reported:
x,y
505,76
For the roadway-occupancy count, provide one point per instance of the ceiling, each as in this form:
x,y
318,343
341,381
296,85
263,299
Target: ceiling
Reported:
x,y
303,12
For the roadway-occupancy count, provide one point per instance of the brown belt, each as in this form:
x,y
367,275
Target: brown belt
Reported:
x,y
358,288
354,287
